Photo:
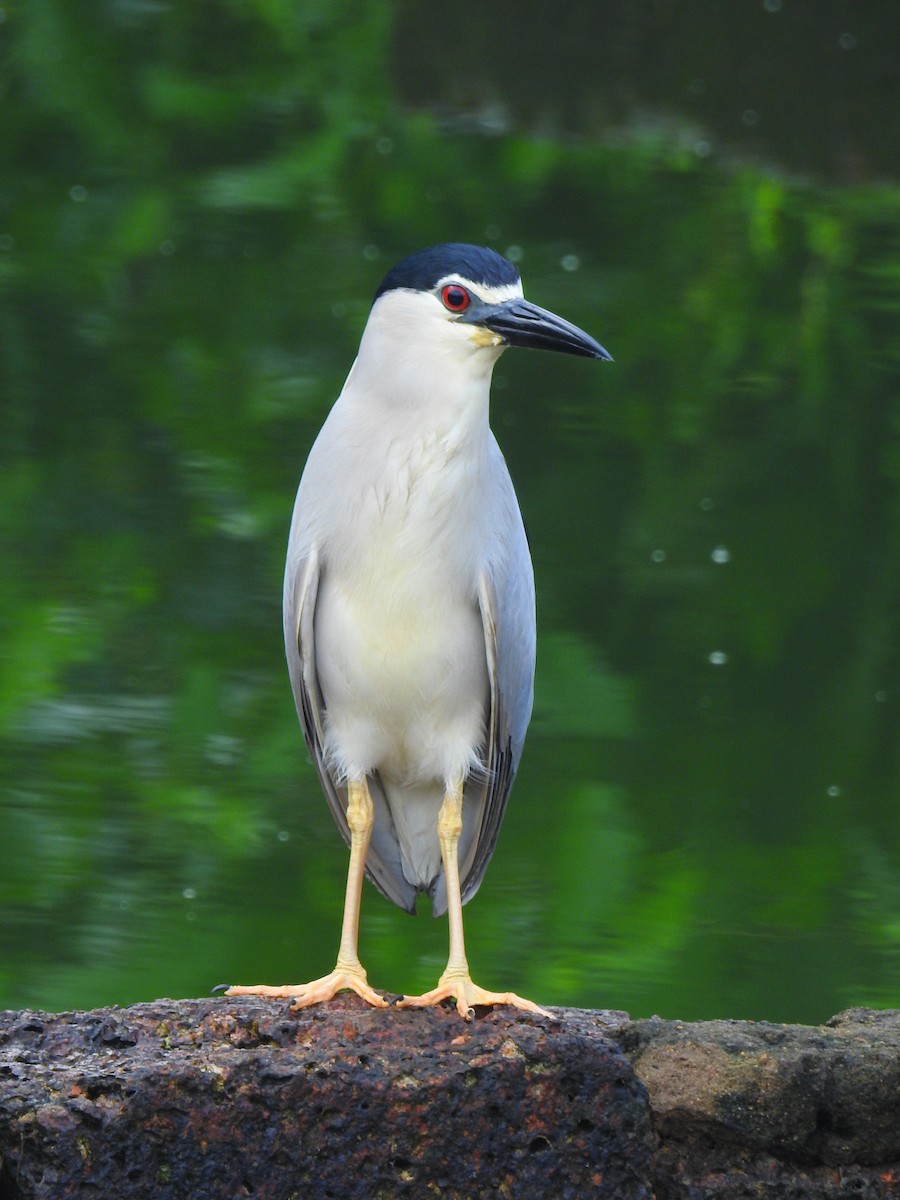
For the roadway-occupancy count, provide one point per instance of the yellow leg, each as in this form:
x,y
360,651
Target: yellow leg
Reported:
x,y
456,982
348,971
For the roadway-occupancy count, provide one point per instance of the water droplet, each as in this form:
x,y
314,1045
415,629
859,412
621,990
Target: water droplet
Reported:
x,y
772,5
718,658
570,262
514,253
881,695
834,790
78,192
167,248
658,556
492,232
721,554
370,253
847,41
750,116
189,893
384,145
706,503
283,835
702,148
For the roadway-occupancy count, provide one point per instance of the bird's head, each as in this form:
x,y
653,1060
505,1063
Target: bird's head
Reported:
x,y
455,299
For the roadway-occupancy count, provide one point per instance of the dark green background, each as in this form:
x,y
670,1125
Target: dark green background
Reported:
x,y
196,204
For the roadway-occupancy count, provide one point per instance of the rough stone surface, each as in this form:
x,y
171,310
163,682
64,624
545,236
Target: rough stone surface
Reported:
x,y
227,1098
745,1109
204,1099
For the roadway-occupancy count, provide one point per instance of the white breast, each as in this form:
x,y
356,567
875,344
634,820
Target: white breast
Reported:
x,y
402,503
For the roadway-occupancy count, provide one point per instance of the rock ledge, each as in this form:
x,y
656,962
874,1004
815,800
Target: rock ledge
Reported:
x,y
219,1099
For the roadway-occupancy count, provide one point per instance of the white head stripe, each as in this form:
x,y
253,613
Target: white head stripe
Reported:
x,y
491,294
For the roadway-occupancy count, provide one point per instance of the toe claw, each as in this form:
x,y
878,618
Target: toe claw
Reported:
x,y
306,994
466,994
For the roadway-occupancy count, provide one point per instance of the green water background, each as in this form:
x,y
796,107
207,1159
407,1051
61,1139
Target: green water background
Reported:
x,y
196,204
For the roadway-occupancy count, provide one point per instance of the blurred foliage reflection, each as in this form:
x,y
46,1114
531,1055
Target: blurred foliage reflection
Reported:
x,y
196,205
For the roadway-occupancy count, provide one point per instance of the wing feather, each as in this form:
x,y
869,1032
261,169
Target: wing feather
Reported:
x,y
506,605
505,737
302,579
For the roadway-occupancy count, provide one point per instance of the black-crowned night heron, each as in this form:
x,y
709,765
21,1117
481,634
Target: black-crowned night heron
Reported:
x,y
409,602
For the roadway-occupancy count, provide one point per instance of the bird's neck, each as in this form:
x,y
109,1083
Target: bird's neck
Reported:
x,y
430,433
422,390
411,460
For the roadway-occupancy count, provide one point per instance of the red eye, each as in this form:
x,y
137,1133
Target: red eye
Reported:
x,y
456,298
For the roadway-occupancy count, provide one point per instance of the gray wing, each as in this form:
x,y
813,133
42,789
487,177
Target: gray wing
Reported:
x,y
301,586
506,605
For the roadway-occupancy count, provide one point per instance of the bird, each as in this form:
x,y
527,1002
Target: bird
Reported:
x,y
409,604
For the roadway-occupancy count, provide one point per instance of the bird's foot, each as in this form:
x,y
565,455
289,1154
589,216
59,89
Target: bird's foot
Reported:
x,y
306,994
458,986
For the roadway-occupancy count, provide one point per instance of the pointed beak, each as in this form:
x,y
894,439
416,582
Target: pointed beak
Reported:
x,y
520,323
